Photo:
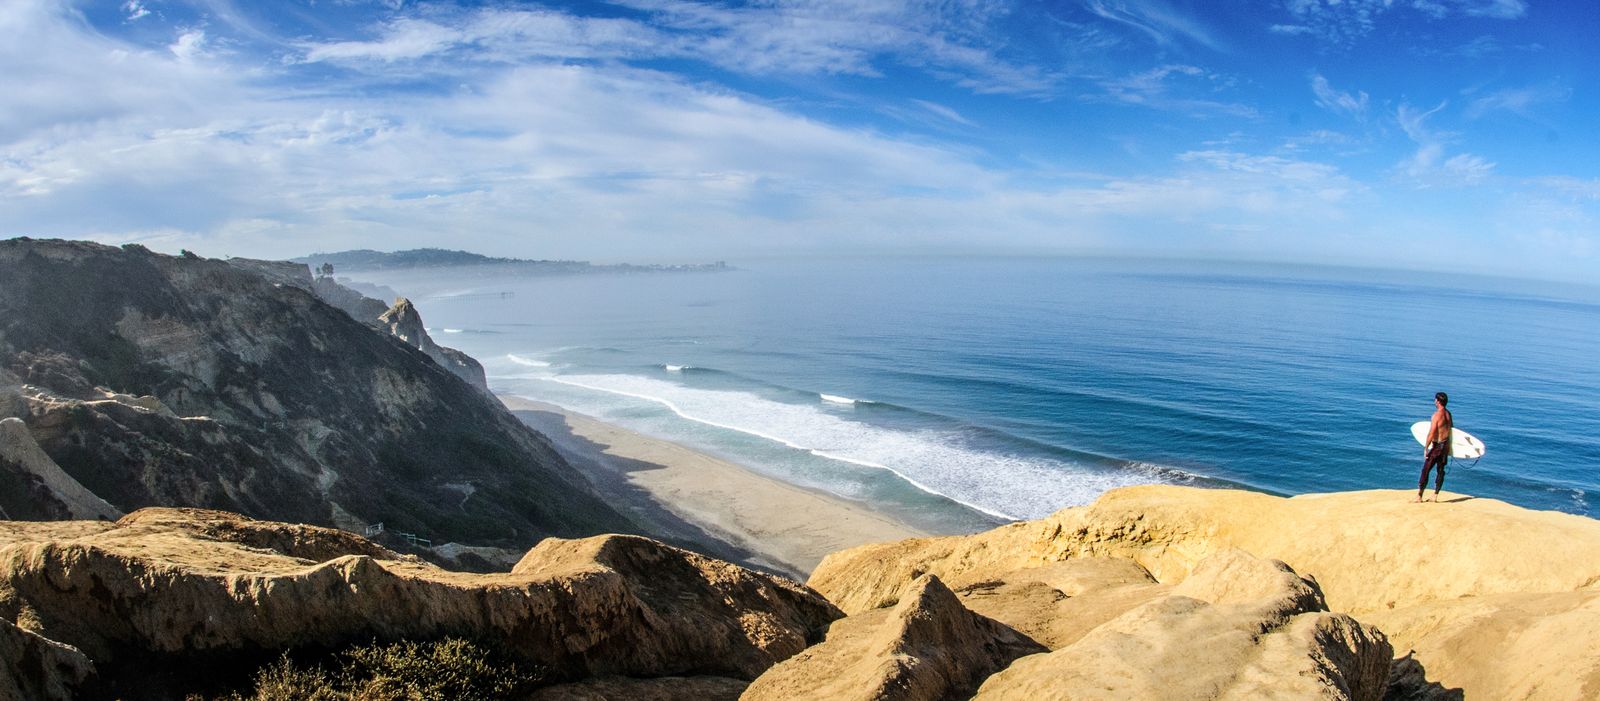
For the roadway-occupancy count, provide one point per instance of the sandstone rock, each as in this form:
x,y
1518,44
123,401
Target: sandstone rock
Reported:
x,y
32,667
1370,551
1059,603
1504,646
1423,573
21,460
927,647
405,323
152,598
1238,628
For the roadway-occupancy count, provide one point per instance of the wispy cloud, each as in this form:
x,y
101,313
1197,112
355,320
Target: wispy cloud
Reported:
x,y
1521,101
1175,86
136,10
1342,22
793,38
1351,104
1160,21
944,112
1429,166
401,39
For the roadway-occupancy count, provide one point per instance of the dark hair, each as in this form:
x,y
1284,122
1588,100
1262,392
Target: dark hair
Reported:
x,y
1441,398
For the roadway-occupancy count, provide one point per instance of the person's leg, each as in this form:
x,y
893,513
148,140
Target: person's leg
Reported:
x,y
1438,480
1422,482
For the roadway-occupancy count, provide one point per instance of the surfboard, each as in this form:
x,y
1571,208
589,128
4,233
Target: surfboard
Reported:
x,y
1462,444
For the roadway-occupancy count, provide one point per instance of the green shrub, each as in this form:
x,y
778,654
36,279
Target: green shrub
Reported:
x,y
447,670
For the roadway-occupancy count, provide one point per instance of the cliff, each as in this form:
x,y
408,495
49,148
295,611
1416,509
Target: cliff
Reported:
x,y
167,602
158,380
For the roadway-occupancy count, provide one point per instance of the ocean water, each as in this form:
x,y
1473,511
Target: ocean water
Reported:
x,y
957,392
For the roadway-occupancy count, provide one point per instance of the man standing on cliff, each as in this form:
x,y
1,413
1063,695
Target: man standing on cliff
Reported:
x,y
1436,453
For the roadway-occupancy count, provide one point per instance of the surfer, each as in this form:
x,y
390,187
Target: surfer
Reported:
x,y
1436,452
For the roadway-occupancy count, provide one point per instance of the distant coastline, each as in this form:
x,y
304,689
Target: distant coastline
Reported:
x,y
367,259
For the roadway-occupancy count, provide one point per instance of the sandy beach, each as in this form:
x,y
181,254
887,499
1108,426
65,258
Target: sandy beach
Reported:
x,y
708,503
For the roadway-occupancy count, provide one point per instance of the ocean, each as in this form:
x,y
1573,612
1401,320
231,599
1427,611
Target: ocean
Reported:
x,y
957,392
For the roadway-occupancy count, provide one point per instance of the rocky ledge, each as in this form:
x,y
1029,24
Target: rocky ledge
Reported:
x,y
1151,592
166,602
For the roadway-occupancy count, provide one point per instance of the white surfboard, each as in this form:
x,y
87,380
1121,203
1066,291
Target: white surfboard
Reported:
x,y
1462,444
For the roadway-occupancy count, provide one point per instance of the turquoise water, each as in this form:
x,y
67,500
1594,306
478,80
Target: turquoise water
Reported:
x,y
955,392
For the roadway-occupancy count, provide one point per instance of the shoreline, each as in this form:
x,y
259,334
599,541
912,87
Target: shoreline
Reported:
x,y
706,503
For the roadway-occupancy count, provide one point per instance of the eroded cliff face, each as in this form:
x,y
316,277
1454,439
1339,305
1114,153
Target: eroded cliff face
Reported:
x,y
166,602
181,381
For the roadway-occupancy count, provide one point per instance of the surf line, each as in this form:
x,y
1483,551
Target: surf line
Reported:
x,y
790,444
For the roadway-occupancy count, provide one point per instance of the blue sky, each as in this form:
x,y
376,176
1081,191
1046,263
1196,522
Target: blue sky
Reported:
x,y
1439,134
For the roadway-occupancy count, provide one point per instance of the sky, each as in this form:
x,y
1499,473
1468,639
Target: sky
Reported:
x,y
1455,135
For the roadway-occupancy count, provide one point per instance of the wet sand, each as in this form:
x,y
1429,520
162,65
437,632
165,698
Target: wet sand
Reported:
x,y
707,503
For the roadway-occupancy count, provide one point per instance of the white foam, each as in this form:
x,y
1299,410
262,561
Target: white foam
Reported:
x,y
1003,485
836,399
452,330
530,362
672,368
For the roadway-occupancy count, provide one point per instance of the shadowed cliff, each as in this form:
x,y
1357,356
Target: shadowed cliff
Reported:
x,y
154,380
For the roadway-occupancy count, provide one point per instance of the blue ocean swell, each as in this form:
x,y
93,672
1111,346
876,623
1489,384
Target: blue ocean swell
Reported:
x,y
1287,381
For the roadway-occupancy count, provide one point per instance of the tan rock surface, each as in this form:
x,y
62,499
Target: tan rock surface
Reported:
x,y
926,647
1061,602
1506,646
165,587
1493,599
1238,628
1369,550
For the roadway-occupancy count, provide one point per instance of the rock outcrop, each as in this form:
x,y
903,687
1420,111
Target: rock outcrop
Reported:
x,y
1237,628
926,647
165,601
1472,594
32,486
405,323
155,380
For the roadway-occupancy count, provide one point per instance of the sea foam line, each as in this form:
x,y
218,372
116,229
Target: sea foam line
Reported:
x,y
530,362
786,442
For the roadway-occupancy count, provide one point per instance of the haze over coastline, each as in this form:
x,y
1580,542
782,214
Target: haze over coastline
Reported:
x,y
1451,135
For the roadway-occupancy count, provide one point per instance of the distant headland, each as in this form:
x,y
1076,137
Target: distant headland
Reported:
x,y
367,259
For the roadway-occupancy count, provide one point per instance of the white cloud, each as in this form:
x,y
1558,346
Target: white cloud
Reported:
x,y
944,112
1161,22
1520,101
1497,9
1174,87
1353,105
945,39
135,9
189,44
402,39
1342,22
1429,166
